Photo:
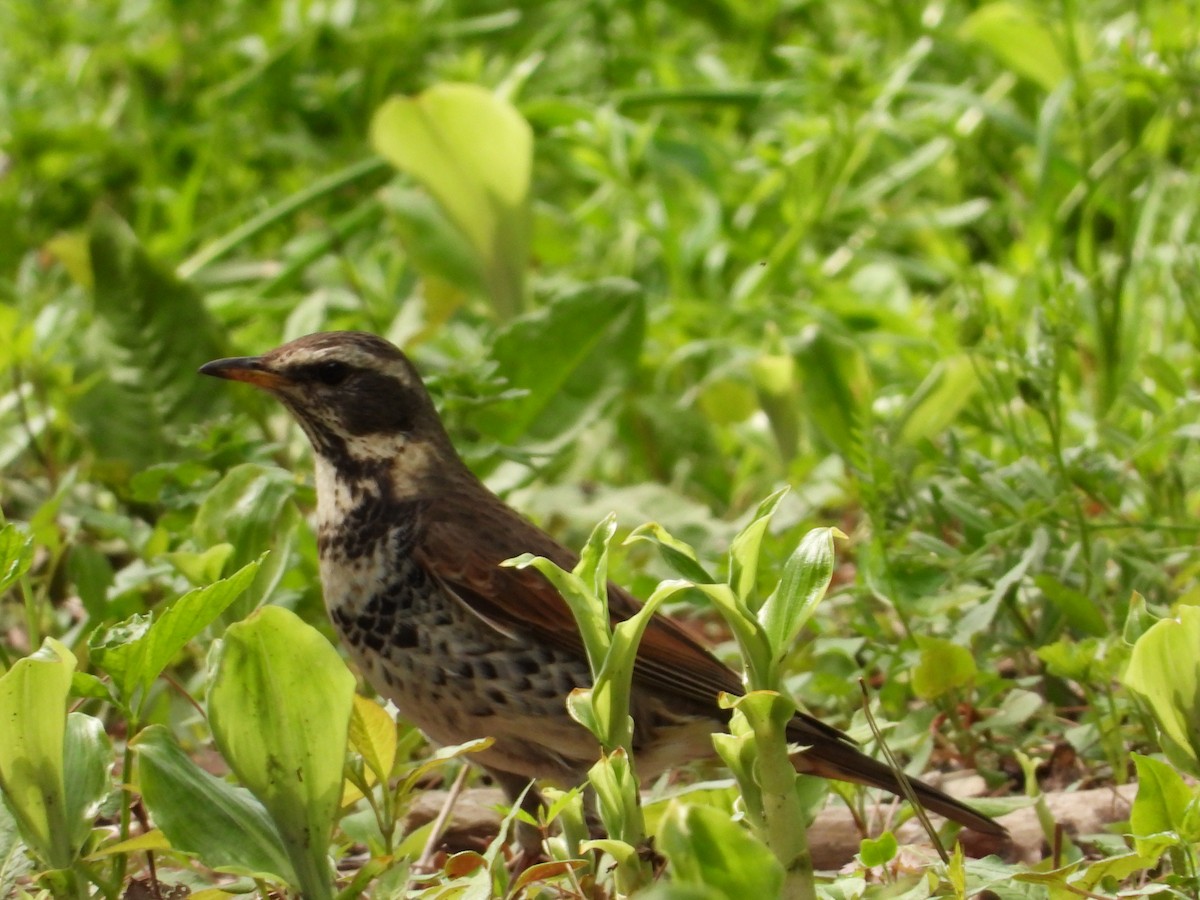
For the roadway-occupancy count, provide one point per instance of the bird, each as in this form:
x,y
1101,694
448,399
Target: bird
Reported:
x,y
410,547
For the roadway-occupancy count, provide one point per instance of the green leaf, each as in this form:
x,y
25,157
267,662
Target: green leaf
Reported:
x,y
92,574
1164,672
1162,801
937,401
1017,35
611,692
474,152
251,508
588,341
878,851
136,651
279,708
806,577
372,735
943,667
704,846
678,555
1081,613
835,379
16,555
33,700
744,551
153,331
235,832
87,757
752,640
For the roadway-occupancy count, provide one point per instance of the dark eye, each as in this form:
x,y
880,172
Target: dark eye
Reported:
x,y
331,373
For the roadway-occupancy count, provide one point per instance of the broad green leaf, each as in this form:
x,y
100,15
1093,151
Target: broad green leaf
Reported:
x,y
588,341
1165,673
438,250
279,708
87,758
474,152
202,567
806,576
943,667
704,846
16,554
235,832
1018,35
1162,801
744,551
937,401
33,702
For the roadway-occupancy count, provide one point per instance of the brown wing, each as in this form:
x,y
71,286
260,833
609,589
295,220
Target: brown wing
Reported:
x,y
522,603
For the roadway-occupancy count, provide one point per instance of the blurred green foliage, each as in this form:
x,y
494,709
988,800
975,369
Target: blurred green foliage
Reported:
x,y
935,266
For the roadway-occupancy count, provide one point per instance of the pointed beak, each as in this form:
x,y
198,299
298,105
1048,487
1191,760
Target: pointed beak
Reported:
x,y
250,369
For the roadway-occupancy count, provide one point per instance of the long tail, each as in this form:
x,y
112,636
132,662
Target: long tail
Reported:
x,y
830,754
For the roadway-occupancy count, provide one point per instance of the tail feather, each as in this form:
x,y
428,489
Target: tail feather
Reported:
x,y
830,754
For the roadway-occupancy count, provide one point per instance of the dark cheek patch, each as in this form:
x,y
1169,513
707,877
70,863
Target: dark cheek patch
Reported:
x,y
377,404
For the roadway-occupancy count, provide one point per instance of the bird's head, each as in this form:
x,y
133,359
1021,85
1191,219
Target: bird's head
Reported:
x,y
356,396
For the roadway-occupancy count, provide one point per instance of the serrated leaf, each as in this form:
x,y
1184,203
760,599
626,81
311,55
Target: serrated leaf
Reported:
x,y
279,708
136,651
474,152
235,832
153,331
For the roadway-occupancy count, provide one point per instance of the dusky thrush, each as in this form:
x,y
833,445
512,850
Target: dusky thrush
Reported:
x,y
410,546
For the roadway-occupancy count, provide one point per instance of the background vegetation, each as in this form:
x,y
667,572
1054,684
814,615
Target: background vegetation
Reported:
x,y
934,266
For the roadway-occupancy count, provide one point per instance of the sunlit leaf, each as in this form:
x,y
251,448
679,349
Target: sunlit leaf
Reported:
x,y
473,151
279,708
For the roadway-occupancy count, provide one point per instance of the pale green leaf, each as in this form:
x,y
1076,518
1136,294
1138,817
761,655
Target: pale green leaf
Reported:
x,y
943,667
704,846
474,152
33,700
1164,672
279,708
